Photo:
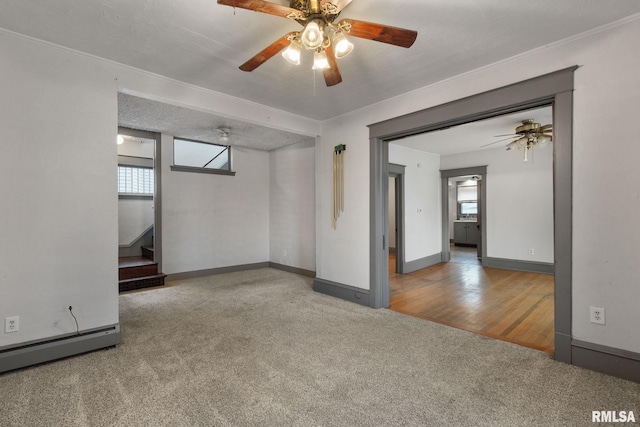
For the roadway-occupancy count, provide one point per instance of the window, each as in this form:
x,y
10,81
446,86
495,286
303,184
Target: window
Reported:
x,y
467,193
468,208
467,199
135,180
197,156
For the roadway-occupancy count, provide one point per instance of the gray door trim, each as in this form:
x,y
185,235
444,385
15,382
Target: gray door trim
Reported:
x,y
397,172
451,173
157,199
554,88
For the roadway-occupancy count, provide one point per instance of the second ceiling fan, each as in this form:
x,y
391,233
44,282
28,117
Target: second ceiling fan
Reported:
x,y
320,34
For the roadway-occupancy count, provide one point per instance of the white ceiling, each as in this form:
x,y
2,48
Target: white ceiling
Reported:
x,y
203,43
476,135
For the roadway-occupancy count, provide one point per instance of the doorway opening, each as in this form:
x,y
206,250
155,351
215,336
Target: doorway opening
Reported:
x,y
396,217
471,293
139,237
551,89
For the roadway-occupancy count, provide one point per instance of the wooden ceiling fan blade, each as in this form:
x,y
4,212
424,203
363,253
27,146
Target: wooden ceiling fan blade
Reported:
x,y
380,33
337,7
264,7
332,74
267,53
506,134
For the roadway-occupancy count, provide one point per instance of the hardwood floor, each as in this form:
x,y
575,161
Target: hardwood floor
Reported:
x,y
508,305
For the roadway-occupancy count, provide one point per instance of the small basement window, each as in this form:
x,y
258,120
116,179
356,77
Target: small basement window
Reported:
x,y
198,156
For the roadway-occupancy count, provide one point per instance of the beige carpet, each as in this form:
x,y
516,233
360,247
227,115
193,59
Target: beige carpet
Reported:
x,y
260,348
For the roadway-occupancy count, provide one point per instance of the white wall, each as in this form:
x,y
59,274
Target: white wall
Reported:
x,y
423,205
605,248
59,212
58,115
135,216
519,201
342,254
211,221
292,208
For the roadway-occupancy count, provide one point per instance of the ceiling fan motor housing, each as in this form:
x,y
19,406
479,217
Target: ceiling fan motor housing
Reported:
x,y
528,126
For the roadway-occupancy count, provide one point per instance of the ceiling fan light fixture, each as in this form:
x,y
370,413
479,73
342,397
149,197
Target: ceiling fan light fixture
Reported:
x,y
120,140
341,46
225,132
320,60
292,52
312,36
522,143
543,140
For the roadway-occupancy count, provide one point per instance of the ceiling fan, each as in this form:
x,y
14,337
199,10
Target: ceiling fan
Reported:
x,y
527,136
320,34
225,133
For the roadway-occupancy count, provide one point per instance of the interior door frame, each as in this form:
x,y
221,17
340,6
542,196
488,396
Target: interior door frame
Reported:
x,y
556,89
397,172
157,202
451,173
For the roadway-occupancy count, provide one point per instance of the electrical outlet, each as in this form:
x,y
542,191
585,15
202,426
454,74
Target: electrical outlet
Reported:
x,y
597,315
532,251
11,324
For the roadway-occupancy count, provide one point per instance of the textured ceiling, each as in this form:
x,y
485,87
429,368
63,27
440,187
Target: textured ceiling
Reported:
x,y
203,43
144,114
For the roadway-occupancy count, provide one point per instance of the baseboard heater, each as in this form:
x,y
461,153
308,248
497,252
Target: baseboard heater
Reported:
x,y
58,348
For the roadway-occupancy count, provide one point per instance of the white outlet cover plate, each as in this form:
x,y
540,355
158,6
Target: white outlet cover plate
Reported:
x,y
597,315
11,324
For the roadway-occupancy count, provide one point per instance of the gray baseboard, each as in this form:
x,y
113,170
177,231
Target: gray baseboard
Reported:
x,y
214,271
338,290
419,264
611,361
515,264
58,348
291,269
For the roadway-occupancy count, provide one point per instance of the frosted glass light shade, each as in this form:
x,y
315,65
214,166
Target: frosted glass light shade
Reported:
x,y
522,143
320,61
312,36
544,140
292,53
342,46
120,139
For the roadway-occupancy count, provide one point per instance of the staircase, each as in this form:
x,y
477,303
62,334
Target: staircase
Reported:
x,y
139,272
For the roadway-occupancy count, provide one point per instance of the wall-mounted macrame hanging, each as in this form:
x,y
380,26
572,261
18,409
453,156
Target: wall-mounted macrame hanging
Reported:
x,y
338,182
